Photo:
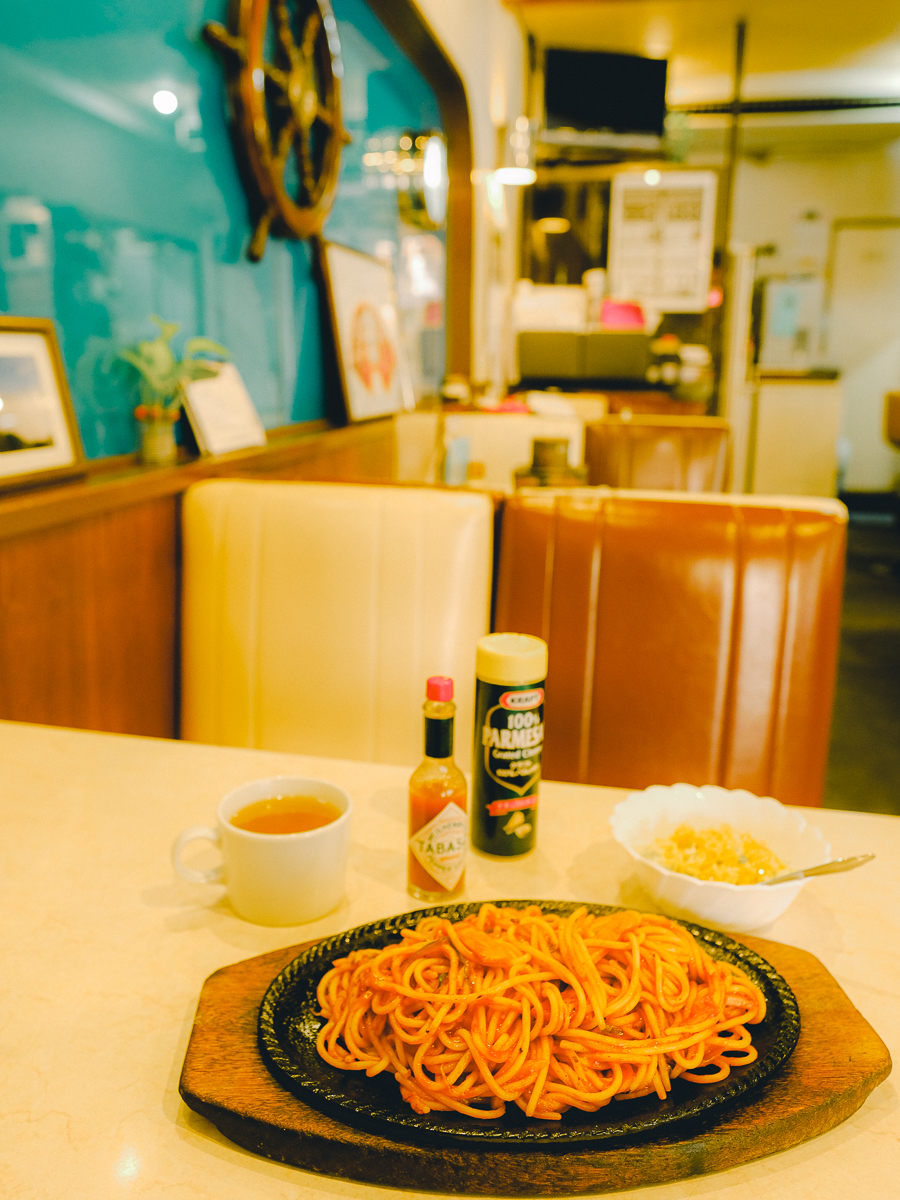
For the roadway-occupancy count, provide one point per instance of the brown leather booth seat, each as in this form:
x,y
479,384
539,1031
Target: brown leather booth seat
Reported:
x,y
653,402
686,453
691,638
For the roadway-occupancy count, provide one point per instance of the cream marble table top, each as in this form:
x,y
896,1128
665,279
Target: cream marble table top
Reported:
x,y
105,951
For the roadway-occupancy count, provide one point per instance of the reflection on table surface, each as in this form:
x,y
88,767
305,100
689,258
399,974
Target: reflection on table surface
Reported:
x,y
105,953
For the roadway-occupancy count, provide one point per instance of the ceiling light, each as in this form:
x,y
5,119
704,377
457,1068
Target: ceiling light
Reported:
x,y
165,102
652,177
515,176
435,179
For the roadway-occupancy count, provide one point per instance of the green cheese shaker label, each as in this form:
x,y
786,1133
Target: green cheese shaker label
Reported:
x,y
509,738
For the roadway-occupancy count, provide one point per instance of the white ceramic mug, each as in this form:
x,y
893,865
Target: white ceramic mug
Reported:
x,y
281,878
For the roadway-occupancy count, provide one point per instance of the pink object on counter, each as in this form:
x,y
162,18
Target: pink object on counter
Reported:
x,y
509,404
621,314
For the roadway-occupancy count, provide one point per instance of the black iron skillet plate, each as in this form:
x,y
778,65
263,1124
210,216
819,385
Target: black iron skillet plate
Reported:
x,y
289,1023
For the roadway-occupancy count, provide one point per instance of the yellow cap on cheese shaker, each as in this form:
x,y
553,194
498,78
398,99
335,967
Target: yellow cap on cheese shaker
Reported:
x,y
511,659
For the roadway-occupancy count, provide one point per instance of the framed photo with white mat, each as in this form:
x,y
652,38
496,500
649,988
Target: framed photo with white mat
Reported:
x,y
39,438
371,357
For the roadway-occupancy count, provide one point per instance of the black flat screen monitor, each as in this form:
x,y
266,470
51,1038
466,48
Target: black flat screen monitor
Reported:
x,y
591,89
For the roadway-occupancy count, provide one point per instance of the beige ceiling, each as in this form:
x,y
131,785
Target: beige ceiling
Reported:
x,y
793,48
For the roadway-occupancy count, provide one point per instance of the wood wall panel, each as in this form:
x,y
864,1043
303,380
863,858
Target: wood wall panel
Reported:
x,y
89,622
89,579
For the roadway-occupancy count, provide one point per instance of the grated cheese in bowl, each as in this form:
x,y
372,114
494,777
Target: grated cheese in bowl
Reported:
x,y
684,841
718,854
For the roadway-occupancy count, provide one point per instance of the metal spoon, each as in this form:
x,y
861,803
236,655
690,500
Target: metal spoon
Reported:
x,y
837,864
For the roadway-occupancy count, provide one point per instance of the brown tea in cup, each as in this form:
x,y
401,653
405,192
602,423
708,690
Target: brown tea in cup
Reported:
x,y
281,880
285,814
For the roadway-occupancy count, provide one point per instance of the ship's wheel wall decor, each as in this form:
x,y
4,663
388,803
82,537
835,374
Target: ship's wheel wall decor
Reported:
x,y
282,61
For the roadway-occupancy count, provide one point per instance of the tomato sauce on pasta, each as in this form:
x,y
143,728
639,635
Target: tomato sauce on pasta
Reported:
x,y
544,1011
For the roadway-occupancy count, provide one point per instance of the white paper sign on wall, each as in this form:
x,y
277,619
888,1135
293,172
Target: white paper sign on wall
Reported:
x,y
222,414
661,234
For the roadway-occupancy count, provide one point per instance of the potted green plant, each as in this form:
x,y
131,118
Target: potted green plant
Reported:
x,y
162,380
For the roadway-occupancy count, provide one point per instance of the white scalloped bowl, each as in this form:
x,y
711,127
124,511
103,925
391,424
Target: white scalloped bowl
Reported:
x,y
658,811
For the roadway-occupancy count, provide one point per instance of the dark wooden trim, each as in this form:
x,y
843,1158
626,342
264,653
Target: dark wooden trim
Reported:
x,y
415,37
117,483
789,105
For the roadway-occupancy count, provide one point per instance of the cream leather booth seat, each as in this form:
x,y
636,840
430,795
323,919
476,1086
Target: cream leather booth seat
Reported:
x,y
314,612
418,448
499,443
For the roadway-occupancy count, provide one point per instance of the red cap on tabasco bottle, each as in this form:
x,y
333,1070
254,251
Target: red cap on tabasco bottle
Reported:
x,y
439,687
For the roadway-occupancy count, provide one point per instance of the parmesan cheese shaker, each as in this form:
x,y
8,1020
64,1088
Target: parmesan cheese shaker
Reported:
x,y
510,670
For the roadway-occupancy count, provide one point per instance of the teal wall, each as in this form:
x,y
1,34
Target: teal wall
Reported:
x,y
110,211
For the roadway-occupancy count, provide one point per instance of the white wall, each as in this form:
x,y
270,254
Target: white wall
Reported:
x,y
485,42
771,197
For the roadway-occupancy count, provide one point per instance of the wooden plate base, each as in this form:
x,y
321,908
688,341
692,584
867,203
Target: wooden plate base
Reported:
x,y
838,1061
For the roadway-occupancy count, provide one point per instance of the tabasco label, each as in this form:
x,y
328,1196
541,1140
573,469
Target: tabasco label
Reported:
x,y
440,846
509,738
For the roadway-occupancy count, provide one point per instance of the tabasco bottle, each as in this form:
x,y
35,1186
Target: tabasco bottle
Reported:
x,y
438,825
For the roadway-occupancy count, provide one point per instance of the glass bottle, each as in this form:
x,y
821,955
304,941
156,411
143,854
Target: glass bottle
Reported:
x,y
438,824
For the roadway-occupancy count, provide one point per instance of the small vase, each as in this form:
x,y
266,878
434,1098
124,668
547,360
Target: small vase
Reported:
x,y
158,442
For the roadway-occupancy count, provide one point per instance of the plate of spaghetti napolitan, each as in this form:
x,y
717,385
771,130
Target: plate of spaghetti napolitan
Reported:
x,y
518,1022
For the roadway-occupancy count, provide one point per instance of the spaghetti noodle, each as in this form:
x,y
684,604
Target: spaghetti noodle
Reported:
x,y
544,1011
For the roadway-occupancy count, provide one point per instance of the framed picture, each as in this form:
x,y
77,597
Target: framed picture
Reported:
x,y
372,362
39,439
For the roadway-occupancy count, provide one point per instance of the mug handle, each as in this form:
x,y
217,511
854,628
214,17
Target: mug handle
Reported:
x,y
189,873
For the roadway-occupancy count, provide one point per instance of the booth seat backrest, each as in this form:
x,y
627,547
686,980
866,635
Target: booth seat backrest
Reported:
x,y
500,443
314,612
692,638
689,454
